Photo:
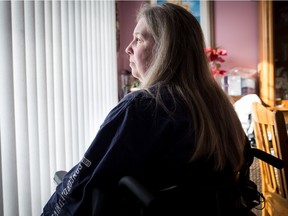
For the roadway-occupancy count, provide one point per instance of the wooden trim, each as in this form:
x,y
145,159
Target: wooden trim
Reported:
x,y
266,55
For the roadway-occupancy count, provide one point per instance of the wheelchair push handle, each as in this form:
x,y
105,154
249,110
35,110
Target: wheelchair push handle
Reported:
x,y
137,189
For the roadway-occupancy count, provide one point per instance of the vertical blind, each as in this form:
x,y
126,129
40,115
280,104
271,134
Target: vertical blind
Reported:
x,y
58,81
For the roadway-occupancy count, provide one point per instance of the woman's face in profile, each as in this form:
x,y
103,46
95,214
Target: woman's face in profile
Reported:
x,y
140,50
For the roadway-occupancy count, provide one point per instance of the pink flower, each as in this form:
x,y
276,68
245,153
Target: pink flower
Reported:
x,y
214,57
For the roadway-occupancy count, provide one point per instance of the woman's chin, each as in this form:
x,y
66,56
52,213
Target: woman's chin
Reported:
x,y
134,74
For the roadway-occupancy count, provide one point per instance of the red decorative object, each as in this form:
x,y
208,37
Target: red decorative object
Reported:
x,y
215,59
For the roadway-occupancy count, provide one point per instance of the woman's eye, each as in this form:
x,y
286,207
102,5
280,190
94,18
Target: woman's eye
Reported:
x,y
138,40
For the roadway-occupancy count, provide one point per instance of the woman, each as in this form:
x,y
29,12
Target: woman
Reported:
x,y
179,130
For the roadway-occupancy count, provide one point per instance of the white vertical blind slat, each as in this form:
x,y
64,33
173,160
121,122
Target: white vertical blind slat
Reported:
x,y
66,83
79,73
85,71
58,86
100,39
73,81
94,67
91,131
1,185
42,104
30,53
21,112
50,88
112,81
104,50
108,29
97,72
8,140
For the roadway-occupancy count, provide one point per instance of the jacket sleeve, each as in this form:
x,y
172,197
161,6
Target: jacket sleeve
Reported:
x,y
121,147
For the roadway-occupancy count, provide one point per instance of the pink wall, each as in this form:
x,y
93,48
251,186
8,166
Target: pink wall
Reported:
x,y
236,30
127,20
127,11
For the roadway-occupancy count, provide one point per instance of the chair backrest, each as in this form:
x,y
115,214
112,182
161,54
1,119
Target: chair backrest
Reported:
x,y
271,137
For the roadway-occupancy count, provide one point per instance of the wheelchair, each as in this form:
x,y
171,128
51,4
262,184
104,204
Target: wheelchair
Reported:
x,y
138,200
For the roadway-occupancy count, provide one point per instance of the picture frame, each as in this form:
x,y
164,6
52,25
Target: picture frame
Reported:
x,y
202,10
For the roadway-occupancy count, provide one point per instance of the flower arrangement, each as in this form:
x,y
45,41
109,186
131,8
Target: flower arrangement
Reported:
x,y
215,59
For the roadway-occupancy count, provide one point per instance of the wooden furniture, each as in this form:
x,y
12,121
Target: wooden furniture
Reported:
x,y
273,53
271,137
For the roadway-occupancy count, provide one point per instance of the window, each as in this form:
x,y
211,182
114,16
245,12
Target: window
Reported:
x,y
58,81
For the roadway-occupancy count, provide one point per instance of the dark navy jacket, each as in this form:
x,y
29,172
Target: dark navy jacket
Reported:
x,y
138,138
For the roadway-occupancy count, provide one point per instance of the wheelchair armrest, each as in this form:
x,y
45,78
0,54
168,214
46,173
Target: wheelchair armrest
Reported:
x,y
268,158
137,189
58,176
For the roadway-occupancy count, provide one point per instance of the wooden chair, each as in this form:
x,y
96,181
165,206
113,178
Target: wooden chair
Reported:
x,y
271,137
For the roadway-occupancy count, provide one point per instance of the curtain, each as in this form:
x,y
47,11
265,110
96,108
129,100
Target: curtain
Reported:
x,y
58,81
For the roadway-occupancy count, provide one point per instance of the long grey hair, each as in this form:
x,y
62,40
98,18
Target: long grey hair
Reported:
x,y
180,63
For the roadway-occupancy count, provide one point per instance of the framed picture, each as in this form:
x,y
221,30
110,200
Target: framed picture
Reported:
x,y
203,12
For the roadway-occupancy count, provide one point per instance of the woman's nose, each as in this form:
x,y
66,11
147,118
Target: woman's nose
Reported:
x,y
129,50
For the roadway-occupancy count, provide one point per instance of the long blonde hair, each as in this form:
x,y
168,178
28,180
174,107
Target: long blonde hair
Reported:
x,y
181,64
